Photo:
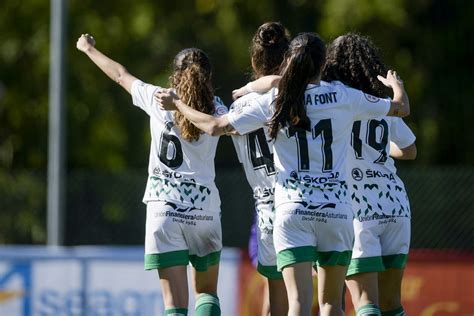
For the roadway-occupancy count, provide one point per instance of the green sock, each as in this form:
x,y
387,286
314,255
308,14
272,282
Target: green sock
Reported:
x,y
395,312
207,305
176,312
368,310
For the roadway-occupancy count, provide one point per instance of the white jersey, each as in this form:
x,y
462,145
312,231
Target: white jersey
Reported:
x,y
179,171
377,190
312,164
255,153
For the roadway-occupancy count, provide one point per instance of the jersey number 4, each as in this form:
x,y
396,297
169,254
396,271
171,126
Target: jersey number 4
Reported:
x,y
259,151
171,152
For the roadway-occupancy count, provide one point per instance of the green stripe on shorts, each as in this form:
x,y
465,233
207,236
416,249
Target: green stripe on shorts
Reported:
x,y
334,258
295,255
364,265
201,264
270,272
166,259
395,261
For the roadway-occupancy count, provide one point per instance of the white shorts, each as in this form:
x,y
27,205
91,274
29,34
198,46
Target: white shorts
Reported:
x,y
380,243
177,234
321,233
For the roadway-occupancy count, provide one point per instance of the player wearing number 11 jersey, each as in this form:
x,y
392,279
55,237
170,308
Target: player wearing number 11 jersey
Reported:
x,y
183,206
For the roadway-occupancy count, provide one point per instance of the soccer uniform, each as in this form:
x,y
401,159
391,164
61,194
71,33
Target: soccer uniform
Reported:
x,y
183,205
313,220
255,153
379,199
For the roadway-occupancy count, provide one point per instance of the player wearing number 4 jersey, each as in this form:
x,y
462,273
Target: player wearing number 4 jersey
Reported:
x,y
311,122
379,199
183,206
254,151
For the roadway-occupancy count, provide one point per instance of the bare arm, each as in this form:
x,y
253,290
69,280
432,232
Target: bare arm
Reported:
x,y
400,105
111,68
407,153
209,124
261,85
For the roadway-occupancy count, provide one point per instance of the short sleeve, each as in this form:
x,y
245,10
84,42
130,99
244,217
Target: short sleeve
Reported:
x,y
142,96
400,133
252,114
366,106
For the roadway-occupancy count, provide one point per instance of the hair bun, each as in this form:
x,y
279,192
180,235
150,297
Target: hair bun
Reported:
x,y
270,34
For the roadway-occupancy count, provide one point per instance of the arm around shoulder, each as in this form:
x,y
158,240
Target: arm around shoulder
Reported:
x,y
214,126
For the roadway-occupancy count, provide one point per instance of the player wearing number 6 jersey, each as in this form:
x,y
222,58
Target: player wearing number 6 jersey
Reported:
x,y
183,206
379,199
311,122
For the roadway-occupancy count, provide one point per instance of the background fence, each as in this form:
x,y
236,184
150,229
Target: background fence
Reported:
x,y
106,208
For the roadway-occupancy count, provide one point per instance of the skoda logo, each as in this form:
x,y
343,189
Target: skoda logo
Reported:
x,y
294,175
357,174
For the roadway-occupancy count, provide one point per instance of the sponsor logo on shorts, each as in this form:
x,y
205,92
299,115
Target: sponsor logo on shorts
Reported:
x,y
357,174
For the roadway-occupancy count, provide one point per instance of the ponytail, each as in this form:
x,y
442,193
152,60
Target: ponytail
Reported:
x,y
192,81
303,64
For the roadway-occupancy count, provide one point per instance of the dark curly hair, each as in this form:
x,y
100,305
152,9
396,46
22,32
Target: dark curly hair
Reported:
x,y
192,80
355,61
269,45
303,62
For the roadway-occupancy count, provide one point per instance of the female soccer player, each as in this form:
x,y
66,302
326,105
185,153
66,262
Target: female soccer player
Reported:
x,y
311,122
183,206
254,151
380,203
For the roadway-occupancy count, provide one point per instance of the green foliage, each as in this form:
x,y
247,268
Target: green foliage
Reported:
x,y
427,42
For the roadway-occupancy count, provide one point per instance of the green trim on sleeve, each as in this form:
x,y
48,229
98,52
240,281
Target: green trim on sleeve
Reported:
x,y
295,255
270,272
364,265
166,259
334,258
395,261
201,264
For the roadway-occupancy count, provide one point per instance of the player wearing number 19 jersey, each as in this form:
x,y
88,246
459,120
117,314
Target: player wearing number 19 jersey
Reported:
x,y
379,199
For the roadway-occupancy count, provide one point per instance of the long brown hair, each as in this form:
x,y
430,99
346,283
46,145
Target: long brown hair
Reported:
x,y
303,62
355,61
192,80
269,45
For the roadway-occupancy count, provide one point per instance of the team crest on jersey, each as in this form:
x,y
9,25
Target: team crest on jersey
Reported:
x,y
357,174
221,110
371,98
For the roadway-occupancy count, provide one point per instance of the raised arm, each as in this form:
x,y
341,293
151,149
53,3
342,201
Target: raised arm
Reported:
x,y
111,68
209,124
261,85
400,105
407,153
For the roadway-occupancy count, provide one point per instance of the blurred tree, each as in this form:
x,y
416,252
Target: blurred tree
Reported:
x,y
428,42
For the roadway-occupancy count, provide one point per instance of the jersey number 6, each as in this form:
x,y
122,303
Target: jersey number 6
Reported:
x,y
175,160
